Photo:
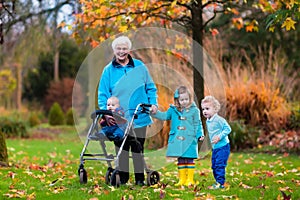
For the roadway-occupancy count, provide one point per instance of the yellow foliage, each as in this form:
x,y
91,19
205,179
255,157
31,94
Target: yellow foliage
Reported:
x,y
288,24
258,103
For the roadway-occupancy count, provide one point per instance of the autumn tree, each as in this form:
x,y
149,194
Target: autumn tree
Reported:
x,y
26,30
101,19
7,86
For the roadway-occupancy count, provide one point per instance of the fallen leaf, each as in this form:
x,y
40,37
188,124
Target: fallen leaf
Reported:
x,y
11,175
162,194
269,174
248,161
56,181
31,196
244,186
285,196
280,182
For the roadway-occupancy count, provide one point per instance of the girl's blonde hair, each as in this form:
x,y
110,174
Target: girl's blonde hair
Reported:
x,y
180,90
215,103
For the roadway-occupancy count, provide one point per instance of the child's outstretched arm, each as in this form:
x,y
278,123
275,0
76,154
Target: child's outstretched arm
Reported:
x,y
162,115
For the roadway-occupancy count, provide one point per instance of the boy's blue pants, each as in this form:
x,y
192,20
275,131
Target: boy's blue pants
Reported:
x,y
219,162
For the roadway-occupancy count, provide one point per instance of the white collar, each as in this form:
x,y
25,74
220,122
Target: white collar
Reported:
x,y
212,118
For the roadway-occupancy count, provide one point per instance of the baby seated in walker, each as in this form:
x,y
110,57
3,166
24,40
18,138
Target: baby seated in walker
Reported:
x,y
113,131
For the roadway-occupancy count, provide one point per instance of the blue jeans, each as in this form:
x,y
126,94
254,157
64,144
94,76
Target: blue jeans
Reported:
x,y
219,162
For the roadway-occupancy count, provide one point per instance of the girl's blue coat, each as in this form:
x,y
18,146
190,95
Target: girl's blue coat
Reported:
x,y
186,129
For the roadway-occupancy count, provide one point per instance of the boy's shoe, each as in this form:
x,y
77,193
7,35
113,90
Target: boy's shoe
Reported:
x,y
216,186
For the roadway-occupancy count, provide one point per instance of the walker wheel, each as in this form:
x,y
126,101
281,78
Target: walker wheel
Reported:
x,y
82,176
152,178
108,175
115,178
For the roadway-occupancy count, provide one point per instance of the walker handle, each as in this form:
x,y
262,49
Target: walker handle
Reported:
x,y
146,105
146,108
101,112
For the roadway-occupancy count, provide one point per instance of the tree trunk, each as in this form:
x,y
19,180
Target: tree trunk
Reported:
x,y
19,85
197,31
56,64
3,150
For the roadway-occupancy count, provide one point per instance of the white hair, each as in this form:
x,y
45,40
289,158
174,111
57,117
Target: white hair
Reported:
x,y
121,40
213,101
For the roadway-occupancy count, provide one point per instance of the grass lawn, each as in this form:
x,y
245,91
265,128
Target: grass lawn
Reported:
x,y
45,167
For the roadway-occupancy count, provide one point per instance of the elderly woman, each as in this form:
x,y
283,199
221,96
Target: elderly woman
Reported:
x,y
129,80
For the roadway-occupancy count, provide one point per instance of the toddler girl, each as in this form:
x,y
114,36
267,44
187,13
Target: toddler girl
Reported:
x,y
186,130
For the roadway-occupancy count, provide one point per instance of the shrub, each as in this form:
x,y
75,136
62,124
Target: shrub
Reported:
x,y
56,115
242,136
258,85
69,117
34,119
258,104
294,120
13,128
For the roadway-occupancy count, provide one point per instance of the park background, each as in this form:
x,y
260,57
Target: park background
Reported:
x,y
254,48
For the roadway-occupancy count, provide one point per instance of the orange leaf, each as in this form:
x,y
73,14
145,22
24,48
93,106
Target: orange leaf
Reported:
x,y
214,31
249,28
238,22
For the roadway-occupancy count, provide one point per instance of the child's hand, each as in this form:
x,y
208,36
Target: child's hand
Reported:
x,y
215,139
110,120
153,109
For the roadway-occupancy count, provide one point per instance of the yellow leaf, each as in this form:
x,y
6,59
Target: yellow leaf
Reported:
x,y
173,195
263,163
179,46
290,5
288,24
173,4
123,28
280,181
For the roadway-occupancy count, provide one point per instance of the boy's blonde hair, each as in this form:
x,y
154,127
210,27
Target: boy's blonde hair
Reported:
x,y
215,103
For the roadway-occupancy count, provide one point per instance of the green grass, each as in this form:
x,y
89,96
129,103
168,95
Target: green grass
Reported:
x,y
36,163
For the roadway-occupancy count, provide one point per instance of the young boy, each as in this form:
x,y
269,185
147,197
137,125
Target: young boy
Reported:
x,y
218,130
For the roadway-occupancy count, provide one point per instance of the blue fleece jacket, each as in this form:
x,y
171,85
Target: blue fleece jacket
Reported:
x,y
132,84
